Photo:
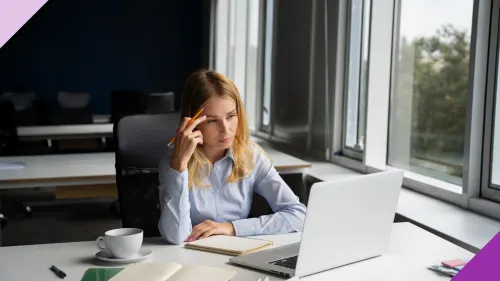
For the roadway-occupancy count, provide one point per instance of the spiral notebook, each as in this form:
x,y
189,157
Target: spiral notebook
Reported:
x,y
229,245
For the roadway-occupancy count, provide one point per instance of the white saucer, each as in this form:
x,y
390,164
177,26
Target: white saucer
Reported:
x,y
104,256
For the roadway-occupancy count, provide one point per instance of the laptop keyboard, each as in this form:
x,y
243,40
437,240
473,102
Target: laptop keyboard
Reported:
x,y
289,262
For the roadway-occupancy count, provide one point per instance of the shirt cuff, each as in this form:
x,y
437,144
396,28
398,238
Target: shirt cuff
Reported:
x,y
177,183
246,227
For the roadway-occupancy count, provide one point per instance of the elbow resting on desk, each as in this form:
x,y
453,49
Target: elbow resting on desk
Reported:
x,y
174,226
173,237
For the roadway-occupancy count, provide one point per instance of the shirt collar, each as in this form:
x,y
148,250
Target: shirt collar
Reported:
x,y
229,153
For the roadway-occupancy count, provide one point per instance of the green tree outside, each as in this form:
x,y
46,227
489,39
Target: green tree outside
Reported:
x,y
433,73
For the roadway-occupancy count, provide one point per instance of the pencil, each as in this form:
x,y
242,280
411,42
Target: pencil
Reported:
x,y
190,121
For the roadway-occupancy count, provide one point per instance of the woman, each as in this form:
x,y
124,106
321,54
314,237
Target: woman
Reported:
x,y
206,187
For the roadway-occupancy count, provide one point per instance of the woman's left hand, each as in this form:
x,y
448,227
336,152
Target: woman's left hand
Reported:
x,y
208,228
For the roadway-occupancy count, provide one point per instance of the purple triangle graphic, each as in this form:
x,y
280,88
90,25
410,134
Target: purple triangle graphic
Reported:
x,y
14,14
485,266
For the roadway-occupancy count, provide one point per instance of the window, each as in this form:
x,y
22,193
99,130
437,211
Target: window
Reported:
x,y
491,184
237,52
269,29
495,157
252,60
221,31
231,49
357,70
430,86
239,45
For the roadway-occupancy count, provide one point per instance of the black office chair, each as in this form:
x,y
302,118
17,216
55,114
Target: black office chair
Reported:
x,y
9,146
125,103
30,111
141,144
160,103
9,140
74,108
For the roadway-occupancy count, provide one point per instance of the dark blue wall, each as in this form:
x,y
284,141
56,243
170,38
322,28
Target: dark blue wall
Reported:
x,y
104,45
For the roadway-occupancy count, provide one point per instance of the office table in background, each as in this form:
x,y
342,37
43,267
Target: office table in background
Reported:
x,y
100,128
65,131
101,118
411,250
94,168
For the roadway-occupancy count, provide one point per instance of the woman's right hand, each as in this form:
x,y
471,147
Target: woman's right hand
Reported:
x,y
186,141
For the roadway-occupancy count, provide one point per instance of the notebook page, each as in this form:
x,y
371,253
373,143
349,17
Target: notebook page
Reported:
x,y
152,271
230,243
201,272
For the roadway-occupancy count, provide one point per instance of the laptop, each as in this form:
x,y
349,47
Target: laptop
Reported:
x,y
347,221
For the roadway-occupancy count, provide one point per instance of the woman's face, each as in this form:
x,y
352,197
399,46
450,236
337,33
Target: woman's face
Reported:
x,y
220,127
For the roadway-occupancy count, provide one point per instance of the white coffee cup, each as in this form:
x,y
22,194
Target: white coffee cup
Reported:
x,y
122,243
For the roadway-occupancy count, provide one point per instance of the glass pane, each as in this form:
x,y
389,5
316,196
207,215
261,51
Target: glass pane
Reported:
x,y
232,39
357,74
364,76
431,82
266,105
221,38
252,61
240,46
495,156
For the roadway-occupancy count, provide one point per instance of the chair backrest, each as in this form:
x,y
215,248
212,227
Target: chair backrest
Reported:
x,y
141,144
74,108
30,111
9,141
160,103
125,103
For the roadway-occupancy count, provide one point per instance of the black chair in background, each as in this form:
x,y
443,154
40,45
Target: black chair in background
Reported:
x,y
141,144
74,108
9,140
125,103
9,146
160,103
30,111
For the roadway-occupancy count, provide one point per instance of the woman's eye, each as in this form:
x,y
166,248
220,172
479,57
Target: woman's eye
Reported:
x,y
231,116
211,121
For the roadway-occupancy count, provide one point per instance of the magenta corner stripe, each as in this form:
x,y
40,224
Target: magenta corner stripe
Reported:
x,y
14,14
485,266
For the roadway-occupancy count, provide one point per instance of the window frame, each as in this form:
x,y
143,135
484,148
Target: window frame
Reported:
x,y
220,31
255,116
266,86
227,63
383,36
492,85
381,86
348,151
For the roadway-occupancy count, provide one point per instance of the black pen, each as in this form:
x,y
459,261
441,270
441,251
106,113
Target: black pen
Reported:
x,y
58,272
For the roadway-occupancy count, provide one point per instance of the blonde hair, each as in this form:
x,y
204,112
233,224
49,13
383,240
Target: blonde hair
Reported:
x,y
200,87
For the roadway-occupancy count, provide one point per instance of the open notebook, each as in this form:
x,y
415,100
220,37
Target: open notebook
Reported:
x,y
229,245
171,271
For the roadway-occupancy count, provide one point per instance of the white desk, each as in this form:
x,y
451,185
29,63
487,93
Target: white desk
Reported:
x,y
101,118
59,170
65,131
93,168
285,163
411,250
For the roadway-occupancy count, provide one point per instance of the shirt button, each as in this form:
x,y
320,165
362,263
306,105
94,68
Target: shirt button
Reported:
x,y
179,180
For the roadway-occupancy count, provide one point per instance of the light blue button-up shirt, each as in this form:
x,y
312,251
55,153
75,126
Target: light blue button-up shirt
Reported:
x,y
222,201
